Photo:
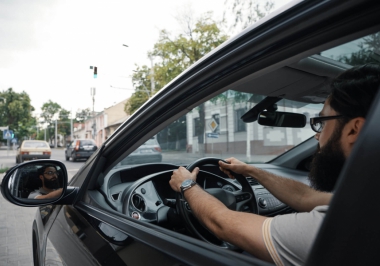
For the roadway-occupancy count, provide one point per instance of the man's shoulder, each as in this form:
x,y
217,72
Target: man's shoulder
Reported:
x,y
34,194
293,234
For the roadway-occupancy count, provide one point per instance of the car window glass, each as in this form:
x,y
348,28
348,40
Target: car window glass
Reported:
x,y
215,129
223,134
87,142
360,51
35,144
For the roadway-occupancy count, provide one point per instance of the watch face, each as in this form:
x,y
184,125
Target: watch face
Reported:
x,y
186,183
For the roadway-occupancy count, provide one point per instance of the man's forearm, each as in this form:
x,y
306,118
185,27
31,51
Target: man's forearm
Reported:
x,y
238,228
295,194
208,213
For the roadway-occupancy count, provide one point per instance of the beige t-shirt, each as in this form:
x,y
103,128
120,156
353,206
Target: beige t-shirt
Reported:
x,y
289,237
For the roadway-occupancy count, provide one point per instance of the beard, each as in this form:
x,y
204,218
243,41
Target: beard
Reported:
x,y
51,183
327,164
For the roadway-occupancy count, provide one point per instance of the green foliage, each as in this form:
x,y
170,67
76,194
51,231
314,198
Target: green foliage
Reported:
x,y
15,112
369,52
142,84
82,115
3,170
175,54
49,109
246,12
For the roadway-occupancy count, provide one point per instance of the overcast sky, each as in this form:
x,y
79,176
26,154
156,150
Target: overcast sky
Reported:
x,y
47,47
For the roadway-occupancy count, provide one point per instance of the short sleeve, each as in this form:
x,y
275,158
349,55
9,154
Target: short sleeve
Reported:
x,y
289,237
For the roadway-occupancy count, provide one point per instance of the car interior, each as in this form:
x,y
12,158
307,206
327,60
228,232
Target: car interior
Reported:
x,y
26,180
141,191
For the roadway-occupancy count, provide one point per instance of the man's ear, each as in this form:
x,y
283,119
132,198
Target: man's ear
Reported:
x,y
41,177
353,129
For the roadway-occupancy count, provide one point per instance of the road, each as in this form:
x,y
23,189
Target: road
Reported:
x,y
16,222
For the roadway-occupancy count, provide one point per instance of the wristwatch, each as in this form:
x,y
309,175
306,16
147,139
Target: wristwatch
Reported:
x,y
188,183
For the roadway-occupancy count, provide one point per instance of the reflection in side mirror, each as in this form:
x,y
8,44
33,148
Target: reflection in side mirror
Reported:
x,y
37,180
281,119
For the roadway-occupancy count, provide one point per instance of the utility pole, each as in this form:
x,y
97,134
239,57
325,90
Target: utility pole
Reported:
x,y
93,112
151,76
71,126
55,142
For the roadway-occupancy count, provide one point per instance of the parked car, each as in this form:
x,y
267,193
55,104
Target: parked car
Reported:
x,y
128,215
80,149
32,150
149,152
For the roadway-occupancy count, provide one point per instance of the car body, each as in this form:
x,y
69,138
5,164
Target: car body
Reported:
x,y
32,150
128,214
149,152
80,149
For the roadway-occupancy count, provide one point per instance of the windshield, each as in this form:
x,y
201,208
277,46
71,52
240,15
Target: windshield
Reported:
x,y
35,144
214,129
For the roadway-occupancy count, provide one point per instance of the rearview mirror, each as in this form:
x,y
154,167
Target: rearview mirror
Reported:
x,y
281,119
40,181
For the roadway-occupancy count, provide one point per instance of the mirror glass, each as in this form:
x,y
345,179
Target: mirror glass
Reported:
x,y
37,181
281,119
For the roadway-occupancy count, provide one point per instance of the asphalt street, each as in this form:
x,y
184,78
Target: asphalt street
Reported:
x,y
16,222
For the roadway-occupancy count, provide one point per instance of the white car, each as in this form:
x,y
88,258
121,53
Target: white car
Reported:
x,y
32,150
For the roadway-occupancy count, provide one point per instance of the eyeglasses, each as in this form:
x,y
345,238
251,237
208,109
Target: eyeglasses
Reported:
x,y
51,173
317,123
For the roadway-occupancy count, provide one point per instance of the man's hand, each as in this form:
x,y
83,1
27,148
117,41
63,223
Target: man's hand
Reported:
x,y
234,165
180,175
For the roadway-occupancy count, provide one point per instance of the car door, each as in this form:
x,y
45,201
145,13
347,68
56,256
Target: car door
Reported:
x,y
87,222
90,232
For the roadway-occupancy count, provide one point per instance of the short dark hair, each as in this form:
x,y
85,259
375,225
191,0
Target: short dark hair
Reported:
x,y
353,91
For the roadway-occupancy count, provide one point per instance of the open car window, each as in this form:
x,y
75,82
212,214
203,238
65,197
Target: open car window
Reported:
x,y
215,129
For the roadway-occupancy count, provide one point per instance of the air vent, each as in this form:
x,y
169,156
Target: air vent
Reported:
x,y
116,196
252,181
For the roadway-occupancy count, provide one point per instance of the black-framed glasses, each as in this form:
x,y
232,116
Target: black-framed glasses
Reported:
x,y
317,123
51,173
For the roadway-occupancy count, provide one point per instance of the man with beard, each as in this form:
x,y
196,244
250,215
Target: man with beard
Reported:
x,y
287,239
50,184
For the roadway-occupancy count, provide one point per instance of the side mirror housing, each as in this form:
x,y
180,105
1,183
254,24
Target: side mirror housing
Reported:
x,y
37,183
281,119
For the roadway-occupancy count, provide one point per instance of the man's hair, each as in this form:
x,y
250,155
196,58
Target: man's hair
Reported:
x,y
41,171
353,91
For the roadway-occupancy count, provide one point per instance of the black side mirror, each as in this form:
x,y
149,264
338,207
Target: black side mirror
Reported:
x,y
35,183
281,119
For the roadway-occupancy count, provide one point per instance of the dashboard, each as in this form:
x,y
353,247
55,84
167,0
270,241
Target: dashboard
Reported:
x,y
143,191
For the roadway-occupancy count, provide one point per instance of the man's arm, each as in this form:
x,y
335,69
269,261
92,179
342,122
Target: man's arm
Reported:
x,y
241,229
51,195
297,195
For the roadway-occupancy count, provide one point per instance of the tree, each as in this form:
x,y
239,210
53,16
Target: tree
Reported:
x,y
141,82
245,12
82,115
369,51
175,54
16,112
49,109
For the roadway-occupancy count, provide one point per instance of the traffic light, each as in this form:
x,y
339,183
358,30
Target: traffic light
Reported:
x,y
95,72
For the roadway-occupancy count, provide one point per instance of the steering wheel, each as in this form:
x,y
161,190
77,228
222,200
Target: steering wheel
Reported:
x,y
242,200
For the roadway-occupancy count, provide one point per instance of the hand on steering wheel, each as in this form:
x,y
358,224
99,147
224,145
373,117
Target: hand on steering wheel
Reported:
x,y
243,200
